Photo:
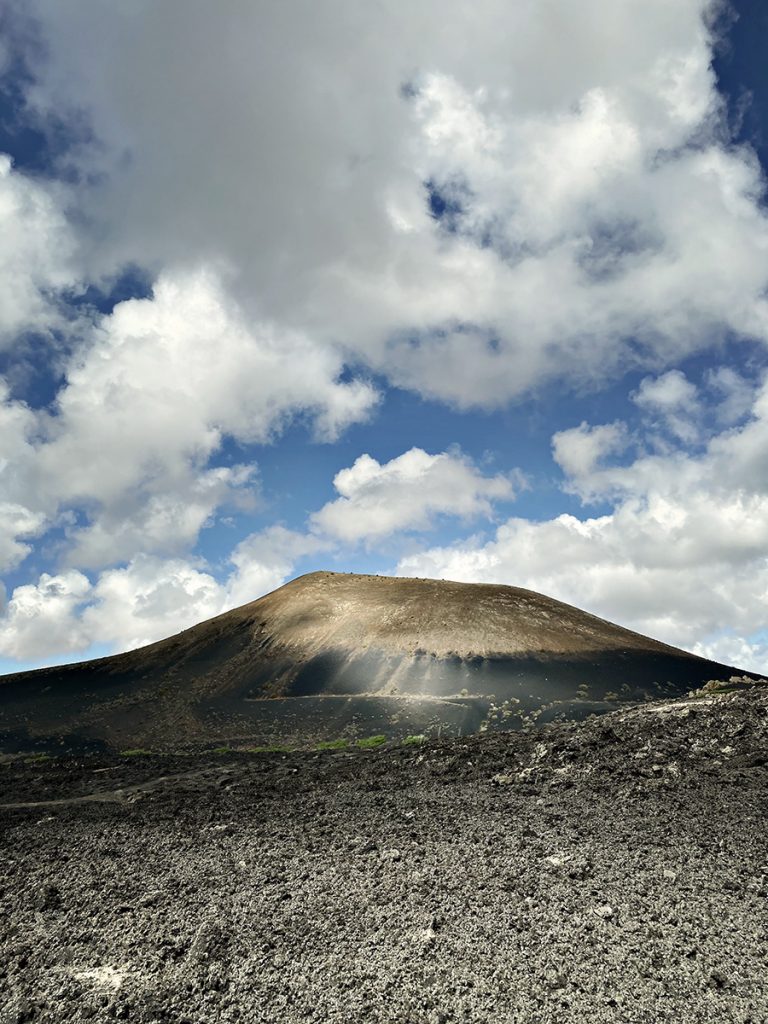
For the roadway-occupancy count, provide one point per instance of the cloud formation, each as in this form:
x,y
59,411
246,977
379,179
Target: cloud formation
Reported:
x,y
469,211
146,405
407,493
37,254
682,556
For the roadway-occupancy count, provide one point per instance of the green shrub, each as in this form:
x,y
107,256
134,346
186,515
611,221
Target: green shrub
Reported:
x,y
339,744
371,742
136,752
415,740
222,750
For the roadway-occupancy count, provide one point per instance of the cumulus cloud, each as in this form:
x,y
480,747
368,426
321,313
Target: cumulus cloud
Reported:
x,y
669,392
146,600
672,401
746,652
165,378
147,404
594,214
37,254
22,516
264,561
734,394
681,556
579,450
42,618
18,525
407,493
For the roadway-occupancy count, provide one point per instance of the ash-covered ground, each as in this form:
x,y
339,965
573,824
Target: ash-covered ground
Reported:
x,y
614,870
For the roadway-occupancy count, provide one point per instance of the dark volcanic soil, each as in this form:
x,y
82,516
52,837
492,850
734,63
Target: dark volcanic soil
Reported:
x,y
613,870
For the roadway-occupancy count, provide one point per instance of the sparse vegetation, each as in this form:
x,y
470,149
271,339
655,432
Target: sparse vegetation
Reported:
x,y
415,740
339,744
371,742
732,685
136,752
36,758
266,750
223,750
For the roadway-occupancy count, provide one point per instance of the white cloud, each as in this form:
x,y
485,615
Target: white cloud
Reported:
x,y
682,556
145,600
735,393
745,652
144,408
407,493
37,254
19,523
264,561
673,402
597,198
166,378
670,391
579,450
43,618
148,599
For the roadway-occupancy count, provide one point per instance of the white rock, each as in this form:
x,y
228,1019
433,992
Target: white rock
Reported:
x,y
606,912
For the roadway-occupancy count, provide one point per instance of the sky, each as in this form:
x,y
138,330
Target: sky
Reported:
x,y
369,288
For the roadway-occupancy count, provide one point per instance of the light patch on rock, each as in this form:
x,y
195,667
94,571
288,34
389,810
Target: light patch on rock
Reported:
x,y
103,977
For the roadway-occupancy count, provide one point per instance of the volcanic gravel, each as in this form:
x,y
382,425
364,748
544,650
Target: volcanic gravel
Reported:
x,y
613,870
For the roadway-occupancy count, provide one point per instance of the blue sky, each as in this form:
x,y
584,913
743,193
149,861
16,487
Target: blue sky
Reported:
x,y
344,291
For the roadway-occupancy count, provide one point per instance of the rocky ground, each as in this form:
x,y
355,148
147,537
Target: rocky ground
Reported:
x,y
614,870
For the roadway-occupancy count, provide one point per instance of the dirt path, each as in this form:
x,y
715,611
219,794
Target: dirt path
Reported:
x,y
123,794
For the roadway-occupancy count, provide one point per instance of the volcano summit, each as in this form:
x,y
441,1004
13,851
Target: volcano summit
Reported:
x,y
335,654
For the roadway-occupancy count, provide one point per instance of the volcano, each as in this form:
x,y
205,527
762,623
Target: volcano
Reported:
x,y
331,655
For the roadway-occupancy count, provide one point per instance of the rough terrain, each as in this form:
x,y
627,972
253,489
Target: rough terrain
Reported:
x,y
335,654
613,870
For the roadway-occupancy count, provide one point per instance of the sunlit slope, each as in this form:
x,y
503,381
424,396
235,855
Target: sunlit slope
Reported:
x,y
333,653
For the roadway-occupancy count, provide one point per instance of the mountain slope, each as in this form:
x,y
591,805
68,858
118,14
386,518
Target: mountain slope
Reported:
x,y
333,653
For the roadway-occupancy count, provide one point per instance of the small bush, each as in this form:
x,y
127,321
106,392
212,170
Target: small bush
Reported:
x,y
371,742
732,685
415,740
339,744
